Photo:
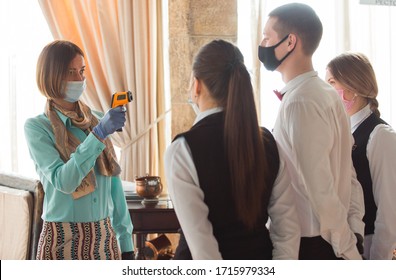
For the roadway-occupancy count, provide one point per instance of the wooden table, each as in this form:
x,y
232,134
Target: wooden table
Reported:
x,y
157,218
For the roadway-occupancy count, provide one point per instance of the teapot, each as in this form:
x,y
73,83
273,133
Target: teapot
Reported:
x,y
148,187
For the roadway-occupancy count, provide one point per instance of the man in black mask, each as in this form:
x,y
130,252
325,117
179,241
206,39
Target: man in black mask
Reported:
x,y
313,129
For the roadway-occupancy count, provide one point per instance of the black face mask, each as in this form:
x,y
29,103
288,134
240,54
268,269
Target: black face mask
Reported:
x,y
267,55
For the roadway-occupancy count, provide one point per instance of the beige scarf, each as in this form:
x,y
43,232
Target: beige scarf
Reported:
x,y
66,143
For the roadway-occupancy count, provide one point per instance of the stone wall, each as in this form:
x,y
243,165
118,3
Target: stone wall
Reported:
x,y
193,23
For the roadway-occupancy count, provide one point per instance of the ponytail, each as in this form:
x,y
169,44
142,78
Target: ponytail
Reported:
x,y
374,106
219,65
244,147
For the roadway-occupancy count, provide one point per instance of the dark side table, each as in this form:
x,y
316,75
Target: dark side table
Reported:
x,y
151,218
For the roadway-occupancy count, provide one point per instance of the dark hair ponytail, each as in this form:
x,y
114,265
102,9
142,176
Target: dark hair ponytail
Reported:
x,y
219,65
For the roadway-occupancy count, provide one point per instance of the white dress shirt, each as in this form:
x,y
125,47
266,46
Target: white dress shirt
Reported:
x,y
381,155
313,129
192,212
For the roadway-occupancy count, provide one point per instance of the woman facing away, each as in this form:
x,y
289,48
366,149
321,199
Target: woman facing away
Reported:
x,y
374,152
225,176
85,213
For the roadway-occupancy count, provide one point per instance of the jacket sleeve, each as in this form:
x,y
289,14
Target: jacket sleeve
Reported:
x,y
356,207
64,176
284,222
188,201
381,153
120,218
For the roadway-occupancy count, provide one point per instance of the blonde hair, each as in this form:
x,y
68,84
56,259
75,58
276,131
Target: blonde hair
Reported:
x,y
52,67
356,73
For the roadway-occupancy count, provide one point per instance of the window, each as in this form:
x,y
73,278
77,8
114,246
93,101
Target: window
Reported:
x,y
24,33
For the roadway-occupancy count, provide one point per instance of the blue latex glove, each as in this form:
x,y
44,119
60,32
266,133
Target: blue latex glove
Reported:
x,y
114,119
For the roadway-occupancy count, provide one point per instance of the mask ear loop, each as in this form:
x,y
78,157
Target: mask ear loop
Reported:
x,y
364,104
280,61
280,42
343,94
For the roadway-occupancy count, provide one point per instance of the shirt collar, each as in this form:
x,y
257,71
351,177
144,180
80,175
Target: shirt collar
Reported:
x,y
66,120
298,80
206,113
359,117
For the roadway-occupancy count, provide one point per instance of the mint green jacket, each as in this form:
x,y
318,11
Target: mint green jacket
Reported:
x,y
60,179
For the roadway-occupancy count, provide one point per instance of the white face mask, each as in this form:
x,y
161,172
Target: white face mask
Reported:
x,y
74,89
194,106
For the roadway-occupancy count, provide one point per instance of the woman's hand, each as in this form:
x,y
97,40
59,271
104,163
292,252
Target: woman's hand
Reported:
x,y
114,119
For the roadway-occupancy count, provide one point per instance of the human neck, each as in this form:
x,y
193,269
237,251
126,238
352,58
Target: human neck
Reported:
x,y
295,68
205,101
207,104
359,105
64,104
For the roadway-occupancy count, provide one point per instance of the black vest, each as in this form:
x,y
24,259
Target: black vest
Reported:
x,y
361,164
205,140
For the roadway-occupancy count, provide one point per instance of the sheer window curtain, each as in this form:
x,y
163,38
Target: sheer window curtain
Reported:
x,y
347,25
122,42
372,32
22,42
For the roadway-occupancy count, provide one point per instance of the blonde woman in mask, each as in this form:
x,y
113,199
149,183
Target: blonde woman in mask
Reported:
x,y
85,213
352,75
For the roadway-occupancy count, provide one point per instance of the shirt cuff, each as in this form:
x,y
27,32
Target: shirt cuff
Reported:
x,y
126,244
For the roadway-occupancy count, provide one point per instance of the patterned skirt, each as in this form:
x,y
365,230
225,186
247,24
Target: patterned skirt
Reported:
x,y
78,241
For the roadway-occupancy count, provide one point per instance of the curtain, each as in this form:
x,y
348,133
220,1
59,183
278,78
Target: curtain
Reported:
x,y
372,33
252,16
250,28
122,42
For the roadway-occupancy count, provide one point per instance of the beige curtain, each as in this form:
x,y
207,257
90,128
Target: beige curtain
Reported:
x,y
122,42
253,11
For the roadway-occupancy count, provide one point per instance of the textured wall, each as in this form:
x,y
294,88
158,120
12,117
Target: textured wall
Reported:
x,y
193,23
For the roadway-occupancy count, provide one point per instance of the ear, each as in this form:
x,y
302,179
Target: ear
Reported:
x,y
197,87
291,41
